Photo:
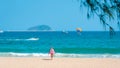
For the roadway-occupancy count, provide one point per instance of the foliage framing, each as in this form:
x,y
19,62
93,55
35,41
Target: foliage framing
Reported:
x,y
104,9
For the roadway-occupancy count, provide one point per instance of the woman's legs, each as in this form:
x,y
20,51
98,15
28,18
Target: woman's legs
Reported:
x,y
51,56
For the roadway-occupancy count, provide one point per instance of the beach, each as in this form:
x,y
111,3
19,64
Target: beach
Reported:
x,y
38,62
31,50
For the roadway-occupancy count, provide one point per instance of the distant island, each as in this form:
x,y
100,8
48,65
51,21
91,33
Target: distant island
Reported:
x,y
40,28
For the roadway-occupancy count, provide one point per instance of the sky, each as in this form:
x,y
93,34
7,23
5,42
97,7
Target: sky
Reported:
x,y
58,14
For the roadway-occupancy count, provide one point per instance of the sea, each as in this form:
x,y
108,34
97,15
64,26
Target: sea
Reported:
x,y
86,44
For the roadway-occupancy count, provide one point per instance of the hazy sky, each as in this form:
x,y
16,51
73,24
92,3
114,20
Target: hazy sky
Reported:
x,y
58,14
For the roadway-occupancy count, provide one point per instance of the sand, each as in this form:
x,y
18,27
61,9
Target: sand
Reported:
x,y
36,62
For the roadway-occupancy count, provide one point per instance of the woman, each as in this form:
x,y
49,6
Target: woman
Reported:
x,y
52,52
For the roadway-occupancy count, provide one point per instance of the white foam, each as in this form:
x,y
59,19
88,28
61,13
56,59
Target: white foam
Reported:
x,y
88,55
29,39
24,54
33,39
61,55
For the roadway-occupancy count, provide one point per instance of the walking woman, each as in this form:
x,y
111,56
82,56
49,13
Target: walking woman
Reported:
x,y
52,52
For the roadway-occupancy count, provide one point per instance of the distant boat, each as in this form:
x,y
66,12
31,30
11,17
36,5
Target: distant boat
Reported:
x,y
65,31
79,30
1,31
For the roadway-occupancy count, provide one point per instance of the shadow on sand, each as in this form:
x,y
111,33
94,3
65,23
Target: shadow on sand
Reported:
x,y
46,59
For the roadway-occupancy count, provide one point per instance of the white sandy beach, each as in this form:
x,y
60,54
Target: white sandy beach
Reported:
x,y
36,62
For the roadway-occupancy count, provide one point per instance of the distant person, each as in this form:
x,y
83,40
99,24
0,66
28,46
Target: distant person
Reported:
x,y
52,52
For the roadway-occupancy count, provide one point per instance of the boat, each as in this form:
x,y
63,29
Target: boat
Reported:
x,y
79,30
66,32
1,31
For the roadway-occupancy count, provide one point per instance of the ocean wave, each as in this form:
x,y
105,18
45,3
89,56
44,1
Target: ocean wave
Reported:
x,y
28,39
89,55
11,54
33,39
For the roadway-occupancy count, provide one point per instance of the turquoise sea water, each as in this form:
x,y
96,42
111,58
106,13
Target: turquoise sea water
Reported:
x,y
66,44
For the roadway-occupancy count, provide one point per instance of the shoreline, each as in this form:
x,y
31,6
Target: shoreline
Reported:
x,y
38,62
59,55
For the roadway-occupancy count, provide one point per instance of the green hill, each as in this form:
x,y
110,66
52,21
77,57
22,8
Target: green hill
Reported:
x,y
40,28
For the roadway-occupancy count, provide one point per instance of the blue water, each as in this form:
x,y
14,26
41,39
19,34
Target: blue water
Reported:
x,y
66,44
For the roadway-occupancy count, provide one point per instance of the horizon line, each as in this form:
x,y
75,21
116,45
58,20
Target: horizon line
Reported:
x,y
46,30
